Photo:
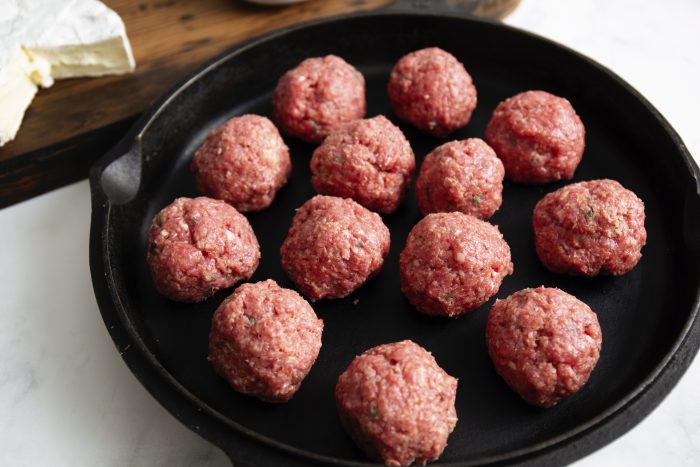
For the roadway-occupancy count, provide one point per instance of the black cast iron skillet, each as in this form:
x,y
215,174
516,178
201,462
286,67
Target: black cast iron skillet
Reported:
x,y
648,317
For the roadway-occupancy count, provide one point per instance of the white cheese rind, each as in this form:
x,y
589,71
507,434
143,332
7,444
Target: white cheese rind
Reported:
x,y
20,20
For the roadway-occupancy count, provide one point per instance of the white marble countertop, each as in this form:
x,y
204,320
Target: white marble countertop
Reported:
x,y
66,397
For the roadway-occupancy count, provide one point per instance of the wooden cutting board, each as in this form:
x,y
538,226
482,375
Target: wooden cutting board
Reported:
x,y
71,124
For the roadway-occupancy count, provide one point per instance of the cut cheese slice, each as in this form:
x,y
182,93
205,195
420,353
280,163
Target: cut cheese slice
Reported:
x,y
88,39
16,93
45,39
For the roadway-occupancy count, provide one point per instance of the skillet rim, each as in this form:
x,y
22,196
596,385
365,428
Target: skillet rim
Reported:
x,y
568,446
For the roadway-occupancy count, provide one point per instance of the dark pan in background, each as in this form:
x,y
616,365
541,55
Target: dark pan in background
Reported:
x,y
648,316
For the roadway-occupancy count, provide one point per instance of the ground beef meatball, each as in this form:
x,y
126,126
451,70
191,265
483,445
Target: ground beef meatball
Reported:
x,y
199,246
264,340
318,96
590,228
538,136
464,176
244,162
370,161
453,263
333,246
544,343
431,90
397,404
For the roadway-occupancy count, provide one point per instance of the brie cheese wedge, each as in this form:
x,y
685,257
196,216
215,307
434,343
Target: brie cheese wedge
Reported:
x,y
45,39
16,93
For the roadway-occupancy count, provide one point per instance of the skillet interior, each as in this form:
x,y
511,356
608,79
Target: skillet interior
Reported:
x,y
643,314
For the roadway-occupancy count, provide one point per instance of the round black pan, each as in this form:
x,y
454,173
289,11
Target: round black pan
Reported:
x,y
648,316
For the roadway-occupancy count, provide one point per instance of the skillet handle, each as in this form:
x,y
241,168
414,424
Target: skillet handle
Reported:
x,y
495,9
117,175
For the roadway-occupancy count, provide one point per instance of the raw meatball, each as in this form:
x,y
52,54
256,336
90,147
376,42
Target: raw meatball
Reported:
x,y
538,136
333,246
318,96
544,343
464,176
453,263
264,340
199,246
590,228
397,404
369,161
244,162
431,90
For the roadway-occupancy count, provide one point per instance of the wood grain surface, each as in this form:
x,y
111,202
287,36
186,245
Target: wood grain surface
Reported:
x,y
71,124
